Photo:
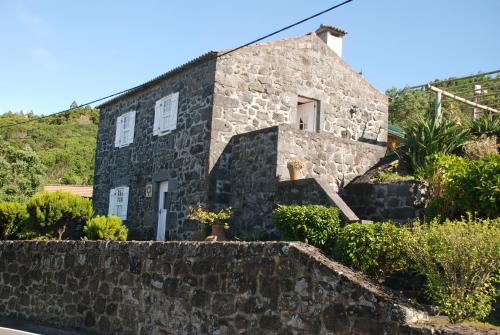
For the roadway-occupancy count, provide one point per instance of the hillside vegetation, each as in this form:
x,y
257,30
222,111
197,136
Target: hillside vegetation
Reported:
x,y
407,105
65,144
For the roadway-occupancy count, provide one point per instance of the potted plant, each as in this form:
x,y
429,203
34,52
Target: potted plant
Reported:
x,y
294,168
217,221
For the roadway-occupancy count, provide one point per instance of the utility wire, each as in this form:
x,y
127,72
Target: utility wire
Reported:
x,y
216,56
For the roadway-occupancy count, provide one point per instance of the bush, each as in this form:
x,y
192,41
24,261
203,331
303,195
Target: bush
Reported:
x,y
377,249
51,213
200,214
481,147
106,228
314,224
460,260
489,122
458,185
12,217
425,138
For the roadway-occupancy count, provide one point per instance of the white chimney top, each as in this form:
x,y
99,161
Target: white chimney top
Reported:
x,y
332,36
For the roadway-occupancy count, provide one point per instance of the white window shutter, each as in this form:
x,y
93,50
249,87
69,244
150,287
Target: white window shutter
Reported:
x,y
125,202
118,132
174,106
112,201
158,112
132,127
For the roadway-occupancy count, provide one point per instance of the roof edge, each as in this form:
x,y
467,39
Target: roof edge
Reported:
x,y
193,62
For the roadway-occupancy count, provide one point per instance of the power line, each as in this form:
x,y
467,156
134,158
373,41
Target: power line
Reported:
x,y
216,56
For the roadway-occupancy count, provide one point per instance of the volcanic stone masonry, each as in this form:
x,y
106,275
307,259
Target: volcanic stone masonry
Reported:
x,y
193,288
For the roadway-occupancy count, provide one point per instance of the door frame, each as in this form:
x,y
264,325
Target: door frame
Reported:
x,y
162,202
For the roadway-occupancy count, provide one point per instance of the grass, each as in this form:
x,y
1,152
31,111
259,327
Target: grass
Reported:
x,y
384,176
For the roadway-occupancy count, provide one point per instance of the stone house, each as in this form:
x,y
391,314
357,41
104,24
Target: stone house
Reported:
x,y
220,129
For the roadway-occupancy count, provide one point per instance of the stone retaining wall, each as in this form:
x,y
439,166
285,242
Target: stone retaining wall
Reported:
x,y
399,202
191,288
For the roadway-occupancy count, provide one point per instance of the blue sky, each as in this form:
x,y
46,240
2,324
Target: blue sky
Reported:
x,y
55,51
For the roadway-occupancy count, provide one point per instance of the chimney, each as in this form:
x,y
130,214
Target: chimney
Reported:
x,y
332,37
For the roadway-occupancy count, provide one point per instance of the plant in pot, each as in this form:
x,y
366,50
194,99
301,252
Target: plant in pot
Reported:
x,y
217,221
294,168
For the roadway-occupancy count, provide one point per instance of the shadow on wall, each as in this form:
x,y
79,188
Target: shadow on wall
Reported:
x,y
244,177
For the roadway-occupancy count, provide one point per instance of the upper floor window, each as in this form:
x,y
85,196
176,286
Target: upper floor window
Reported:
x,y
118,202
125,124
166,114
307,114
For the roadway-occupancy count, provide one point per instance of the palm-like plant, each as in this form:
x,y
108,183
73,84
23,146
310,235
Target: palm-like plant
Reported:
x,y
426,137
487,123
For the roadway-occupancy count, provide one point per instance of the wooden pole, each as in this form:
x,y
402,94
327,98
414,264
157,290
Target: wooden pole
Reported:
x,y
438,115
465,101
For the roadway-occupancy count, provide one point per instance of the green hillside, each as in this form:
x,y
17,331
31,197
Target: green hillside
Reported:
x,y
407,105
65,143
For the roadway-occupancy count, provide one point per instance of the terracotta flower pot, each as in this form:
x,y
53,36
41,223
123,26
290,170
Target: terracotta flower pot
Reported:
x,y
218,233
294,172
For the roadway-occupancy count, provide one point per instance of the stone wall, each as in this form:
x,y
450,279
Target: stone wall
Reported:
x,y
327,157
311,191
245,179
180,157
191,288
258,87
399,202
248,172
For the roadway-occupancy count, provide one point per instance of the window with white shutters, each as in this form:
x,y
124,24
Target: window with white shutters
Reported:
x,y
125,125
166,110
118,202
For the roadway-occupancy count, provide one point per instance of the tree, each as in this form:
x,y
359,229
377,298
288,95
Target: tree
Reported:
x,y
65,144
408,105
52,213
21,173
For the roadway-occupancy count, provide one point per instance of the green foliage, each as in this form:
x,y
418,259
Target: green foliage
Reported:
x,y
12,218
425,138
108,228
460,260
458,185
52,213
21,172
377,249
407,105
65,143
390,177
203,216
314,224
489,122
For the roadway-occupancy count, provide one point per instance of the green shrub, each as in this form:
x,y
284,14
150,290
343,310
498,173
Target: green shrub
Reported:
x,y
489,122
314,224
425,138
12,217
377,249
105,228
51,213
459,185
200,214
460,260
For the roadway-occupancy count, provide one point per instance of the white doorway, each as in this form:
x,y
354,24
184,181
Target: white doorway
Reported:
x,y
162,211
307,114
